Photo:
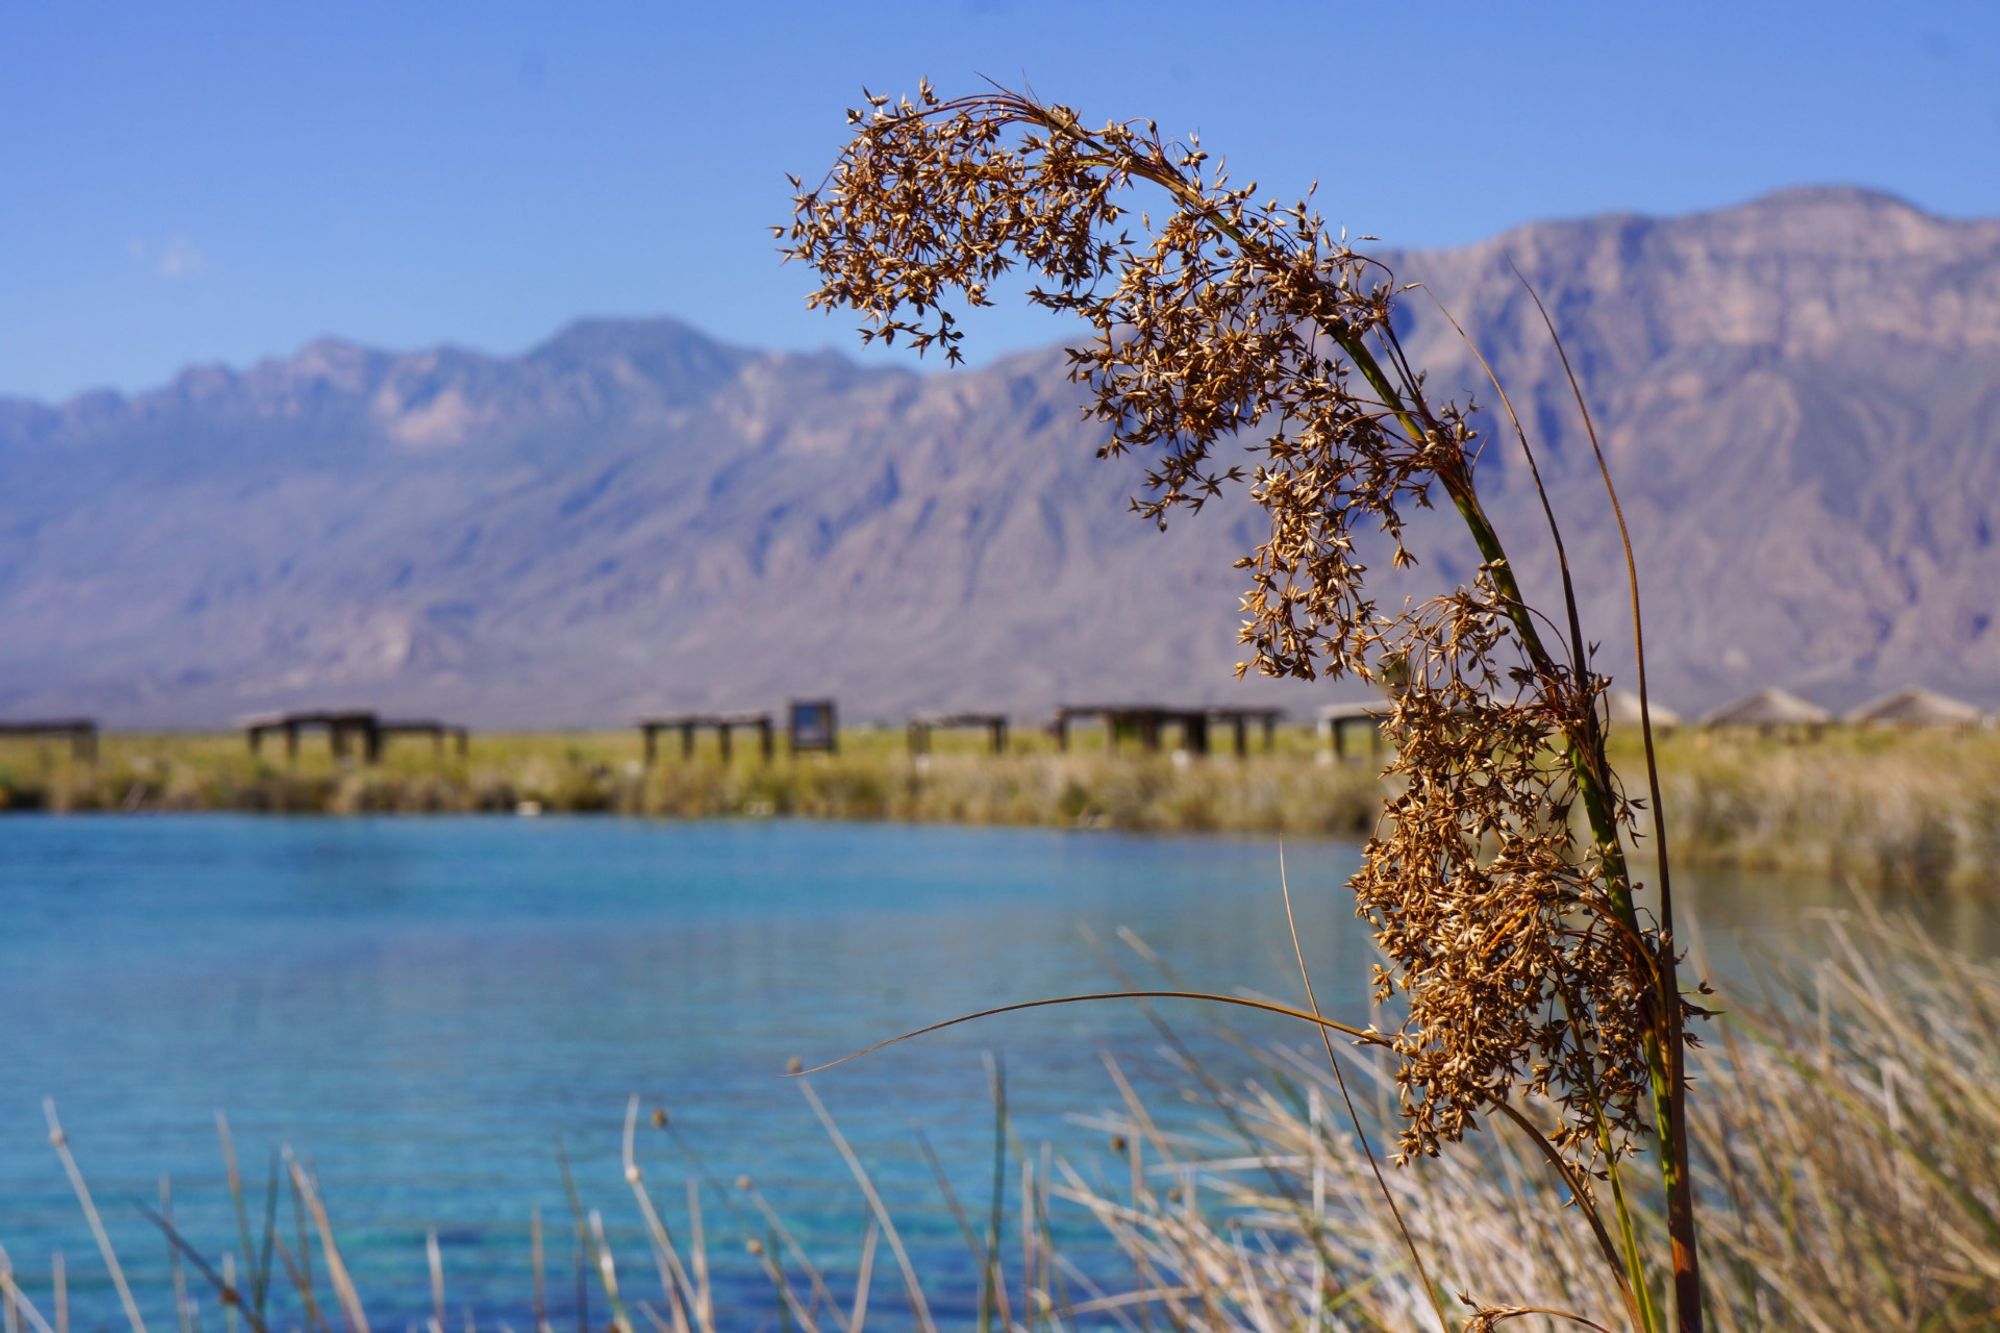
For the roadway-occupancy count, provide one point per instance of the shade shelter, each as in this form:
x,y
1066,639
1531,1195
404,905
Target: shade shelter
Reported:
x,y
1145,721
1914,706
349,729
923,724
345,730
1620,709
1239,721
439,732
1337,721
1149,723
1770,709
80,732
724,725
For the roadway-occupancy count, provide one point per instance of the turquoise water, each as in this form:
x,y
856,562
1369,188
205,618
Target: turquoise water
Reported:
x,y
424,1008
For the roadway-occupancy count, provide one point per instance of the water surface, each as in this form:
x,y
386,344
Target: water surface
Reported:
x,y
426,1007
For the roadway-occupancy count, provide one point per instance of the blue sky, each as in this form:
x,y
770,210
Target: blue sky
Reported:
x,y
197,182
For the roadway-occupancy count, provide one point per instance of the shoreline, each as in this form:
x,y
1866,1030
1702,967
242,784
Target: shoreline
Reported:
x,y
1918,811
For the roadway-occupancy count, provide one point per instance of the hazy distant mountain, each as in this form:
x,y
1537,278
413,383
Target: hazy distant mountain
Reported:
x,y
1801,397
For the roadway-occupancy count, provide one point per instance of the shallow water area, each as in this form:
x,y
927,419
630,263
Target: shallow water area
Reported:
x,y
426,1008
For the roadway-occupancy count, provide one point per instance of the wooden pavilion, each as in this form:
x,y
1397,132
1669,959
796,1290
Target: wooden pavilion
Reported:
x,y
1336,720
344,728
439,732
80,732
1148,722
1239,721
349,729
923,724
724,725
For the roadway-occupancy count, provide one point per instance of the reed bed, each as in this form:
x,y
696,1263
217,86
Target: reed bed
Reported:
x,y
1916,811
1848,1128
1901,811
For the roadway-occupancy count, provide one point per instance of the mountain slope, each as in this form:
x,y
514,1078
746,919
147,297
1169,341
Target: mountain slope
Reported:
x,y
1799,398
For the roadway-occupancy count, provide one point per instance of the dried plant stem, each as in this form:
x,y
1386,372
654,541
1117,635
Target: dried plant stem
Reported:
x,y
336,1268
60,1142
18,1305
1347,1099
1680,1188
1664,1042
919,1307
673,1275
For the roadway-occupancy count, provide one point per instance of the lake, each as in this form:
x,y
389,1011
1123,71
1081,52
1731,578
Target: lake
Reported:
x,y
425,1008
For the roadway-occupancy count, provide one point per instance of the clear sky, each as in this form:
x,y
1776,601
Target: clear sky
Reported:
x,y
195,182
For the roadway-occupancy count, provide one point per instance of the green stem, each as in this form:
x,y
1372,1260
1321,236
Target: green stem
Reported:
x,y
1585,756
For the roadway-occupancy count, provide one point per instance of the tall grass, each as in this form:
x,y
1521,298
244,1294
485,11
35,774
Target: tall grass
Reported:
x,y
873,778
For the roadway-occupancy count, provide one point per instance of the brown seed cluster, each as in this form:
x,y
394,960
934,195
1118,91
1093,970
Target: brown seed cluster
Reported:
x,y
1230,321
1494,916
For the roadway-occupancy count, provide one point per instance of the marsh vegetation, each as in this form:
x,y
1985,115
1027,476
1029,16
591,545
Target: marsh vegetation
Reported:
x,y
1907,812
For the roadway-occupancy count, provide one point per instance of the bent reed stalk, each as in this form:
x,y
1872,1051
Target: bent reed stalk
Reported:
x,y
1520,950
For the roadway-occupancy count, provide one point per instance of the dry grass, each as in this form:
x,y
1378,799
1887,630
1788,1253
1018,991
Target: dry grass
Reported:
x,y
1898,810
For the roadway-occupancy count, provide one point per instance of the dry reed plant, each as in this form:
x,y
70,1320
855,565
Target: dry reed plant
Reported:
x,y
1515,942
1848,1129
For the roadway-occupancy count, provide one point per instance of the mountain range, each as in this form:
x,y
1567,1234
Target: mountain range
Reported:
x,y
1799,397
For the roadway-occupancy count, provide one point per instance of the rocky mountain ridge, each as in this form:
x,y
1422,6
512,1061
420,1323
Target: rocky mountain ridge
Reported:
x,y
1800,398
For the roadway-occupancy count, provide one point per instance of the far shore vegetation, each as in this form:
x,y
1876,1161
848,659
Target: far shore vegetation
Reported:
x,y
1916,810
